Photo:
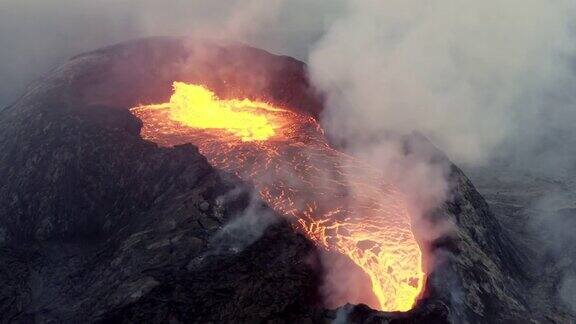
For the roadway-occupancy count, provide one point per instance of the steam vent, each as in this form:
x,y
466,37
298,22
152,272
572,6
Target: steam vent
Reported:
x,y
210,193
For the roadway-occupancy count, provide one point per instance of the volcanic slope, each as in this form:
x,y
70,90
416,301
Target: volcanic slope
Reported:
x,y
97,224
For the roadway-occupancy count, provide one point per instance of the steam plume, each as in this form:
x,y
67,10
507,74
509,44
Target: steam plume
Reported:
x,y
458,71
479,78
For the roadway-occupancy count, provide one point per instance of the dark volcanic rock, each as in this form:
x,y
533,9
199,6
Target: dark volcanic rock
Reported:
x,y
98,225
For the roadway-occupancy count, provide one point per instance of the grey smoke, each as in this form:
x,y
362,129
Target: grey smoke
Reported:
x,y
246,227
342,315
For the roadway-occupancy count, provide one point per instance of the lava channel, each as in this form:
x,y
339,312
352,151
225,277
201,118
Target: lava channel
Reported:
x,y
339,202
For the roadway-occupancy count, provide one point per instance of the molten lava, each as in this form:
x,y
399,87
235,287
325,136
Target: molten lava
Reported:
x,y
341,203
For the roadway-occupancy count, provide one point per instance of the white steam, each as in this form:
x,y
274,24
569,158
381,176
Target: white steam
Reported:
x,y
246,227
455,70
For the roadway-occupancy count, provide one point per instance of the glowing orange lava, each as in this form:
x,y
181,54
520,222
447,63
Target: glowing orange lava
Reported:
x,y
341,203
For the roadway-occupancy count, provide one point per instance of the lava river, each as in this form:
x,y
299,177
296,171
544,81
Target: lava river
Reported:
x,y
339,202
